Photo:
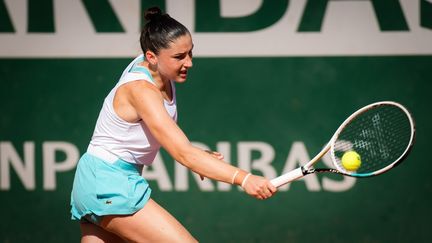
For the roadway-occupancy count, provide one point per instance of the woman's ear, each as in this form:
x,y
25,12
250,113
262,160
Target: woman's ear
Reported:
x,y
151,58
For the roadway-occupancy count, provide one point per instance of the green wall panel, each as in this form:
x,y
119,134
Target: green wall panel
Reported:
x,y
274,100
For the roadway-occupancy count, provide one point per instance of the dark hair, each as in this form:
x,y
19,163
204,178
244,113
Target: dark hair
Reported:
x,y
160,30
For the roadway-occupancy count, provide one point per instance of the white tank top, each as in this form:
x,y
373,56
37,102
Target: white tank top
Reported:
x,y
132,142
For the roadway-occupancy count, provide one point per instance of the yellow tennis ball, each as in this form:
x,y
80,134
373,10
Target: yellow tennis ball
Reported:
x,y
351,160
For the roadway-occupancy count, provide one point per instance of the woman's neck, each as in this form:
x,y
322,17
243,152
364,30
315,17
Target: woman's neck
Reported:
x,y
164,85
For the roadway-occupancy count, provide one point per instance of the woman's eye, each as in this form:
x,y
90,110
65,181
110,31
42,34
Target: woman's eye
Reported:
x,y
183,56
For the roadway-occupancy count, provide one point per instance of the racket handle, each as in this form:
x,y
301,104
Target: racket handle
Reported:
x,y
288,177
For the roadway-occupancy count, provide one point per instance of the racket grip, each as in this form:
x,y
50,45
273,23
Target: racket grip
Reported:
x,y
288,177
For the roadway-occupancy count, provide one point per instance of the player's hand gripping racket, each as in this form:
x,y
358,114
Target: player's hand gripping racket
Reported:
x,y
381,133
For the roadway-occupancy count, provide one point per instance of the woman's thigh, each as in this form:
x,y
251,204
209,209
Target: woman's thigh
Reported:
x,y
91,233
150,224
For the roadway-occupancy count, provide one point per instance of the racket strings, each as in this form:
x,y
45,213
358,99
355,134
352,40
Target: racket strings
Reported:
x,y
379,135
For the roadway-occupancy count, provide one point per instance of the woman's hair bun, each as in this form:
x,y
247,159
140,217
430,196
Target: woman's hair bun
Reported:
x,y
153,13
160,30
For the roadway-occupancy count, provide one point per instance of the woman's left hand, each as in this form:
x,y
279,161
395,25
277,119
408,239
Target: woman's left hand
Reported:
x,y
215,154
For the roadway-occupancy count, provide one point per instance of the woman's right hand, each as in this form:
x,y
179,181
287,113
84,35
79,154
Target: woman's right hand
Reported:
x,y
259,187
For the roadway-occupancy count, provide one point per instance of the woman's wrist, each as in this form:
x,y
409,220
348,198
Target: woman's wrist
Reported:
x,y
240,177
234,177
245,179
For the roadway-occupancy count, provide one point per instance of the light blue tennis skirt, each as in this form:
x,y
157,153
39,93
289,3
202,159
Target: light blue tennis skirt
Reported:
x,y
101,188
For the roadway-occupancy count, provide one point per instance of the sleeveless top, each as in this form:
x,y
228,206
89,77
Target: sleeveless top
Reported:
x,y
132,142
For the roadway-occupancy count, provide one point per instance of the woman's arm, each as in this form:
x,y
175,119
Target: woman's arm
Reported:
x,y
147,101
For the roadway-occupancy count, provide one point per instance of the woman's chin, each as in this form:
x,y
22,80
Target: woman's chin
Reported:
x,y
181,78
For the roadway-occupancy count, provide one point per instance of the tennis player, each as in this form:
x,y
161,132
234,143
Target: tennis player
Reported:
x,y
109,196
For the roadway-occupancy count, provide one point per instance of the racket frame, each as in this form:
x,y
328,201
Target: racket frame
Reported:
x,y
308,167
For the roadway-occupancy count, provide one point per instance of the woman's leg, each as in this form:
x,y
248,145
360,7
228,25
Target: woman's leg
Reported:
x,y
91,233
150,224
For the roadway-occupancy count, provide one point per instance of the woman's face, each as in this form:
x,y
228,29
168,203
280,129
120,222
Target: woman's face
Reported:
x,y
174,61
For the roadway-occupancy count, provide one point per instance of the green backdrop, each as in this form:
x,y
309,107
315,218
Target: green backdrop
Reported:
x,y
249,107
282,101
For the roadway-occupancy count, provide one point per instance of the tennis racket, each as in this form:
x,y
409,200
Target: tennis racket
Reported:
x,y
381,133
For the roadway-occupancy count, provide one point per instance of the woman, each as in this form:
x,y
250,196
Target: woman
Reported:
x,y
109,196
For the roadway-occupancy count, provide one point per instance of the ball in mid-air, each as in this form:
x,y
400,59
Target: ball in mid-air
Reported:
x,y
351,160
